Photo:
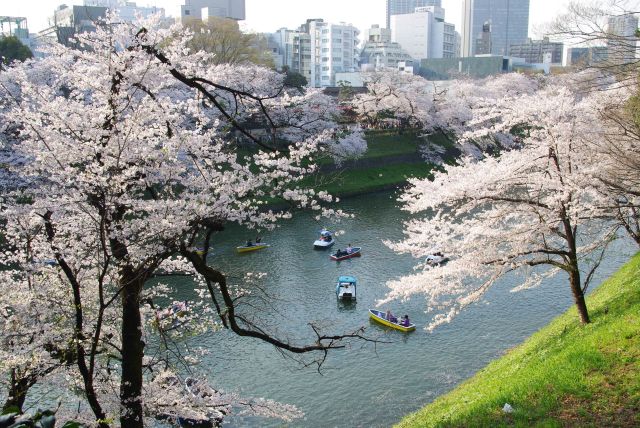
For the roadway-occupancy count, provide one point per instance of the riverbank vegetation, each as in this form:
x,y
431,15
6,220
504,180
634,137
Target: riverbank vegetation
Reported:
x,y
567,374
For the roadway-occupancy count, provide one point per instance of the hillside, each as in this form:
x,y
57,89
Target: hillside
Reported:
x,y
564,375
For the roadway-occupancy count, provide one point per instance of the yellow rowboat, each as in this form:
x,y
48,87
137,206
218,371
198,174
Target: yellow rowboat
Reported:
x,y
245,249
381,318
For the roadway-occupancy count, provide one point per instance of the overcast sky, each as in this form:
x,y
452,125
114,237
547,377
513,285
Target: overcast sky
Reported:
x,y
269,15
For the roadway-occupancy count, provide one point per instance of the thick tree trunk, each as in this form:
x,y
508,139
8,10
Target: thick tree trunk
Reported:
x,y
578,296
132,353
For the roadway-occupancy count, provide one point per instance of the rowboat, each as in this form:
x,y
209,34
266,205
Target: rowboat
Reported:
x,y
355,252
436,259
325,240
381,318
346,287
248,248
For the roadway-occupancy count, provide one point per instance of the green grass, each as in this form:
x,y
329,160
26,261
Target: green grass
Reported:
x,y
382,144
566,374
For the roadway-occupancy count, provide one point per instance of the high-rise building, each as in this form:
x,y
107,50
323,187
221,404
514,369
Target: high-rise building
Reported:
x,y
450,41
622,42
318,50
424,34
400,7
203,9
509,21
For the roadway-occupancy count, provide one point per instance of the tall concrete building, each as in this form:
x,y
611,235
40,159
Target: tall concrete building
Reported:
x,y
424,34
450,41
203,9
622,42
318,50
509,21
400,7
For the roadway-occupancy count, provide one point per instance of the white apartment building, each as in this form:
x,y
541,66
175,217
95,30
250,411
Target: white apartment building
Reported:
x,y
318,50
450,41
421,34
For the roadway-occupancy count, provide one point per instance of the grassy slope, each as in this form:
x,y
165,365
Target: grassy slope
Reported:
x,y
564,375
381,144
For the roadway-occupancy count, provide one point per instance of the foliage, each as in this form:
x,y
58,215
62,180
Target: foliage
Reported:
x,y
564,375
11,49
132,164
533,206
223,38
293,79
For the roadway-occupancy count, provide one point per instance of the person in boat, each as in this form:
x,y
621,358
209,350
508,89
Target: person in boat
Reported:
x,y
258,239
391,317
349,249
405,321
339,253
249,243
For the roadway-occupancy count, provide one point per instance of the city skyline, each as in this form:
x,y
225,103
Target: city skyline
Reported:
x,y
268,17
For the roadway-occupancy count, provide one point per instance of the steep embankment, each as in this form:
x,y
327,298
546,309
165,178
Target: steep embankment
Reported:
x,y
564,375
390,160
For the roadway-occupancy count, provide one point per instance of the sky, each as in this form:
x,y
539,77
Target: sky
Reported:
x,y
270,15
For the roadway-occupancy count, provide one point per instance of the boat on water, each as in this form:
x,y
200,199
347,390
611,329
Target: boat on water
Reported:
x,y
346,288
325,240
381,318
344,255
254,247
436,259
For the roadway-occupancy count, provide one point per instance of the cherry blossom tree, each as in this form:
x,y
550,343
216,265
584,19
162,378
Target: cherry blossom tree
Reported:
x,y
531,206
132,167
444,108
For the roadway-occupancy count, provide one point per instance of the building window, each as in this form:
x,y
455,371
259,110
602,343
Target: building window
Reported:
x,y
186,12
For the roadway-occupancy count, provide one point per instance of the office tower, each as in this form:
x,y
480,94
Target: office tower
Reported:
x,y
508,19
400,7
203,9
621,38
